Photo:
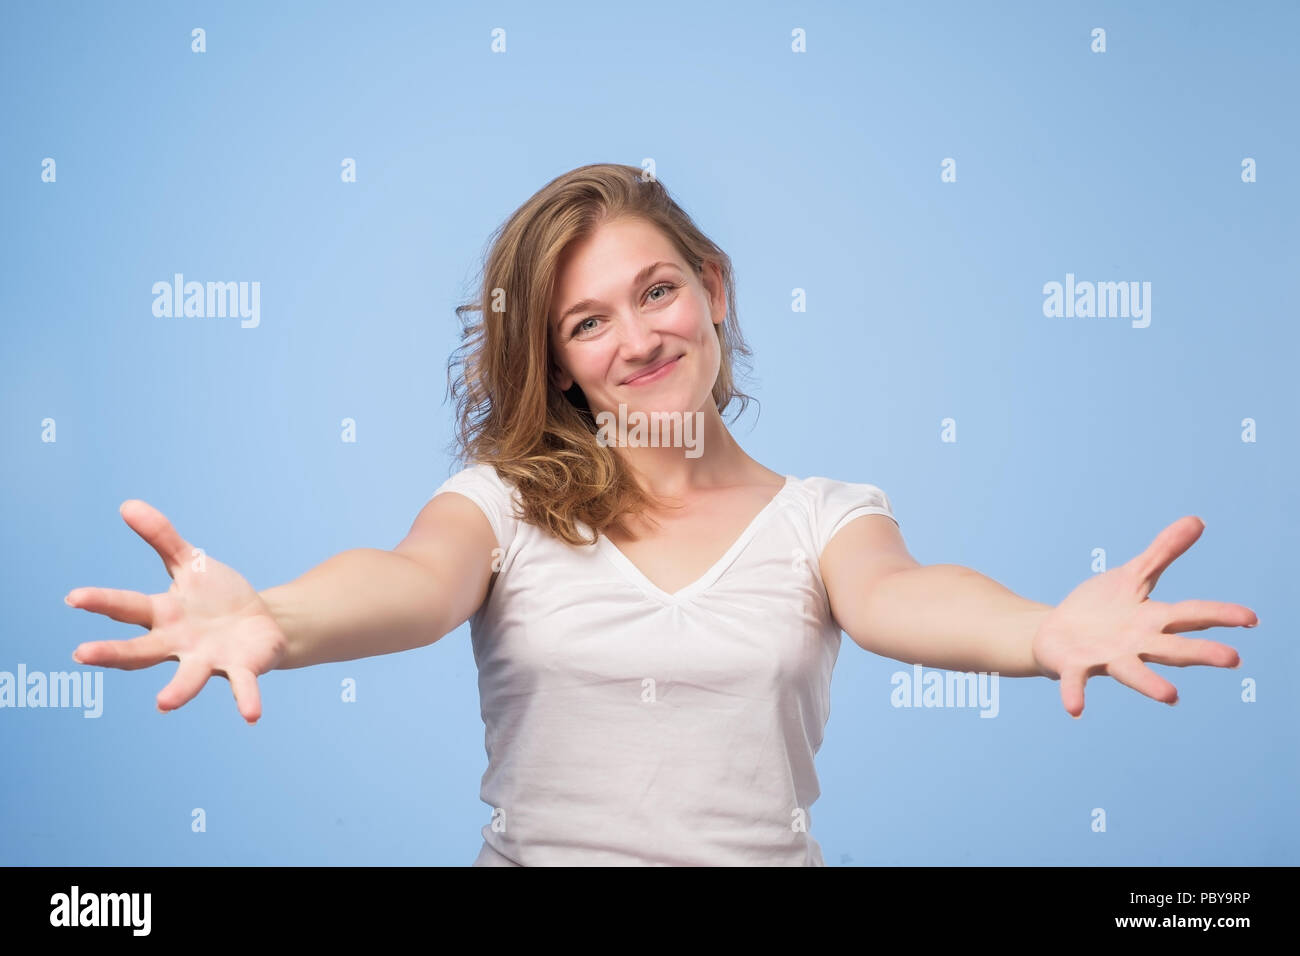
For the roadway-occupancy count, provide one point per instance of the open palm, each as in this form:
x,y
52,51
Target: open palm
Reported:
x,y
210,619
1107,625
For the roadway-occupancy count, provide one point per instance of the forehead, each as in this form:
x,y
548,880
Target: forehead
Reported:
x,y
613,243
608,259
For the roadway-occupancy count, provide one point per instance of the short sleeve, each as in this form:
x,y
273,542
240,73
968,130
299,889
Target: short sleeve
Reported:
x,y
839,502
482,485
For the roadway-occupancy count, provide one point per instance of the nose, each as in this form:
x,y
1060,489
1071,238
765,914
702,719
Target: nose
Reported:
x,y
640,339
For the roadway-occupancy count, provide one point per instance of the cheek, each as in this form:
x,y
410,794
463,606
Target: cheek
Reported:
x,y
692,322
706,335
592,364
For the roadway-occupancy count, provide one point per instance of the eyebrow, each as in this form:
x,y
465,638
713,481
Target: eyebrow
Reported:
x,y
592,303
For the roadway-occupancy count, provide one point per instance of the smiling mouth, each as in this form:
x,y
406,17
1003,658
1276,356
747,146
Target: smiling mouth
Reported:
x,y
651,372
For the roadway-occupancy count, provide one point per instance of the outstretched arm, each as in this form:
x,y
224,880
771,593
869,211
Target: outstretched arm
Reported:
x,y
937,615
359,603
951,617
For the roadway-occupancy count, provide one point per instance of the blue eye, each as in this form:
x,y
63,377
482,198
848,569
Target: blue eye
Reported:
x,y
666,286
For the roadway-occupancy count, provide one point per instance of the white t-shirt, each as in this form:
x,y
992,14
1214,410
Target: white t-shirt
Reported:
x,y
628,726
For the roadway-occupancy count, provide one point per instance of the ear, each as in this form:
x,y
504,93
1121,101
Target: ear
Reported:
x,y
559,378
711,276
562,380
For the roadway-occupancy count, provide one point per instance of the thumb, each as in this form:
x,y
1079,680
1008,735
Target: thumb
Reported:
x,y
248,698
1072,682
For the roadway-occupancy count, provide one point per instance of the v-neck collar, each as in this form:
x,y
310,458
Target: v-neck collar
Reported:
x,y
704,581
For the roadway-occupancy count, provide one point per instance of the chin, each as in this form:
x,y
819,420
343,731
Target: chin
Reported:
x,y
665,407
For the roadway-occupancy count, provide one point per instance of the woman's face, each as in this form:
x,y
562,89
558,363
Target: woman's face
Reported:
x,y
625,335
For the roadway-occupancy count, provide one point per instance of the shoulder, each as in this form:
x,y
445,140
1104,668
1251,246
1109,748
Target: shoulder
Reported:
x,y
477,475
496,497
831,504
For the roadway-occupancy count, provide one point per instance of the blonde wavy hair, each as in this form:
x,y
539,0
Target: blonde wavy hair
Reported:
x,y
509,411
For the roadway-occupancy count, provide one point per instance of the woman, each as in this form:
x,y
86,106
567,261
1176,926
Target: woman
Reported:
x,y
655,615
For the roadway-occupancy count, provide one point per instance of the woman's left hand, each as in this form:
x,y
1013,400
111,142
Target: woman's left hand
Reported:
x,y
1108,626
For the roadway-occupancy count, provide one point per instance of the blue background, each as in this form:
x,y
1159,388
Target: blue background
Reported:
x,y
818,171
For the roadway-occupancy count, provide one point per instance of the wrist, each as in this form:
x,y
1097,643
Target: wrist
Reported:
x,y
277,605
1037,617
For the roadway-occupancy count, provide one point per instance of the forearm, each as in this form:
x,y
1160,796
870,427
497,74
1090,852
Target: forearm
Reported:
x,y
951,617
359,603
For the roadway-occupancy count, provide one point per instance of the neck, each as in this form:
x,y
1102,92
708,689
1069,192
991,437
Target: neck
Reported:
x,y
707,457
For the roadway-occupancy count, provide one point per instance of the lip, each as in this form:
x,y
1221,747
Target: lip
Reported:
x,y
653,374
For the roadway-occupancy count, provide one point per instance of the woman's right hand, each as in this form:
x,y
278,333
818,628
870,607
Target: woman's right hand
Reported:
x,y
211,620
